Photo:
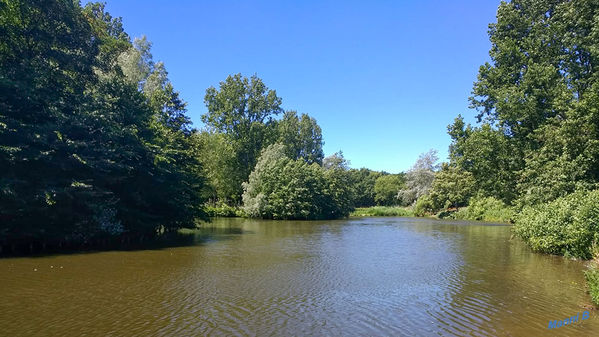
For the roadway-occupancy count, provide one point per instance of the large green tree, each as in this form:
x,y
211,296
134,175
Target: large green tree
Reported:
x,y
539,92
243,109
363,181
84,152
387,187
302,137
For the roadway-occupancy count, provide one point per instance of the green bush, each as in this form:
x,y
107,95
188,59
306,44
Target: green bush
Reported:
x,y
592,277
485,209
424,206
566,226
283,188
223,210
383,211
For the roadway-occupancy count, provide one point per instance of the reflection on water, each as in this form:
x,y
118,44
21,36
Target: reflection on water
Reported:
x,y
368,276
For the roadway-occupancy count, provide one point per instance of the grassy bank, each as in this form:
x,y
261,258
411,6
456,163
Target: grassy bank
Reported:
x,y
222,210
383,211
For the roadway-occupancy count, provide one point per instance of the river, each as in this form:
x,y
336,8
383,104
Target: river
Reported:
x,y
353,277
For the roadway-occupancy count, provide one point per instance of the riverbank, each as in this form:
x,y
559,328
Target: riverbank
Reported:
x,y
471,213
383,211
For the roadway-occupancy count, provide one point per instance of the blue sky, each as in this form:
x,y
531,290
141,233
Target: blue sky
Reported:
x,y
382,78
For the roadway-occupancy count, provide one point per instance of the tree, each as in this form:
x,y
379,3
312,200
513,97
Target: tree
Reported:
x,y
492,158
282,188
243,109
302,137
339,189
218,160
452,187
539,92
336,160
363,182
419,178
81,145
47,58
387,187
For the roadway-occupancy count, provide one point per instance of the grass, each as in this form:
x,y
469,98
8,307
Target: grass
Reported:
x,y
383,211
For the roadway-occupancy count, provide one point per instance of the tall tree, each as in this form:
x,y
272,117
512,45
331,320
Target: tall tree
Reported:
x,y
243,109
83,152
419,178
302,137
387,188
540,91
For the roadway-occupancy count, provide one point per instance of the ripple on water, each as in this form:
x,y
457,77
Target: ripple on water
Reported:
x,y
361,277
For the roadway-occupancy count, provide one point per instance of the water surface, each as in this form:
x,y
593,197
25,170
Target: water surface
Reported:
x,y
356,277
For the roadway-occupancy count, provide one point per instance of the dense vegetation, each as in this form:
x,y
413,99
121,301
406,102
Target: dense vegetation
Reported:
x,y
284,188
94,140
534,157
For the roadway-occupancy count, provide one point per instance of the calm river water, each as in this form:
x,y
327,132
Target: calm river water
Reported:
x,y
356,277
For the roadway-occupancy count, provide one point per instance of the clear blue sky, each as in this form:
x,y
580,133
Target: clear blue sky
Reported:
x,y
383,79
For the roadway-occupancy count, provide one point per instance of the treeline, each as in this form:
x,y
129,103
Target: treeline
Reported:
x,y
536,148
260,166
96,144
533,157
94,140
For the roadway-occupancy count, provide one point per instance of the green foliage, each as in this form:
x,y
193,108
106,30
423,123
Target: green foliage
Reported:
x,y
336,161
592,277
383,211
538,99
283,188
81,145
302,137
485,209
424,206
386,188
219,162
566,226
363,181
419,178
223,210
489,156
339,192
243,109
452,187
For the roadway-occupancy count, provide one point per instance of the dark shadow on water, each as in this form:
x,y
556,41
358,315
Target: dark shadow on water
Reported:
x,y
184,238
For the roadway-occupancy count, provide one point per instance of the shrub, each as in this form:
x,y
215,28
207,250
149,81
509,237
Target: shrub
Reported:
x,y
282,188
485,209
452,187
592,277
223,210
566,226
386,188
424,206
